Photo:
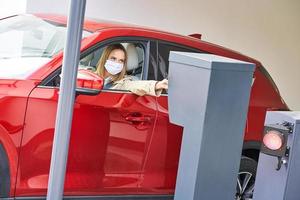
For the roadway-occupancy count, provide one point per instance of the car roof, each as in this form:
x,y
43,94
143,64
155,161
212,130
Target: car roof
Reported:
x,y
95,25
90,24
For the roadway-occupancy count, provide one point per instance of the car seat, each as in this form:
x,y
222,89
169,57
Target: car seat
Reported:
x,y
133,65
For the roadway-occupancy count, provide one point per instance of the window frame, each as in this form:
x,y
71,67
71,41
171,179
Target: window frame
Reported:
x,y
147,45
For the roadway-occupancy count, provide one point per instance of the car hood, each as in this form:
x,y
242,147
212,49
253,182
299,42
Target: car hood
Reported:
x,y
20,67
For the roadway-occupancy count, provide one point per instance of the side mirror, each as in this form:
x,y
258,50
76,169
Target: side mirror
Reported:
x,y
88,83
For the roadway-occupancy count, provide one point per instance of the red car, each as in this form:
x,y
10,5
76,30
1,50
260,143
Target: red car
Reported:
x,y
121,144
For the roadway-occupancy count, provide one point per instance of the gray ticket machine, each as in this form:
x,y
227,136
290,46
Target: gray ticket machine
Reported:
x,y
278,171
208,96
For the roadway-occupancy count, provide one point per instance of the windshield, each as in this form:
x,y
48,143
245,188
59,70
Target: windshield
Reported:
x,y
28,38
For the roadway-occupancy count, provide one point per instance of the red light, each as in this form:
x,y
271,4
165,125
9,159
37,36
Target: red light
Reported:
x,y
273,140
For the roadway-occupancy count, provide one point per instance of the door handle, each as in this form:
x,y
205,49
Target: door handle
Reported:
x,y
138,119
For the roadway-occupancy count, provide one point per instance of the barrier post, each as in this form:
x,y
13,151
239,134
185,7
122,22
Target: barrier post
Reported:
x,y
208,96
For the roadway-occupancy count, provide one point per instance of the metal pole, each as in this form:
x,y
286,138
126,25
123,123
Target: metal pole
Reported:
x,y
66,100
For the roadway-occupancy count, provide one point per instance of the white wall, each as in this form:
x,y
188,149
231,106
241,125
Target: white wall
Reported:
x,y
267,30
11,7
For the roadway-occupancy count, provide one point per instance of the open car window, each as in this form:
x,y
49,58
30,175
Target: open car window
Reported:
x,y
89,62
135,60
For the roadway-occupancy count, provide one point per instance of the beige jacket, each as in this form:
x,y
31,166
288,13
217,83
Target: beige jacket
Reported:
x,y
138,87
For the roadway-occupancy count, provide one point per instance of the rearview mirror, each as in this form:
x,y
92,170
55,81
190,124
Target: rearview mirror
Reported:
x,y
88,83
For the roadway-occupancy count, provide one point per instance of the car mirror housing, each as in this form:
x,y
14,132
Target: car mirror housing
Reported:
x,y
89,80
88,83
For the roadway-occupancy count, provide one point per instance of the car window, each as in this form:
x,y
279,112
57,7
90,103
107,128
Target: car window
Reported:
x,y
30,36
88,64
27,43
159,70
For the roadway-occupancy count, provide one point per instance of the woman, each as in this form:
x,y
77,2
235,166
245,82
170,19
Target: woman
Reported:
x,y
112,68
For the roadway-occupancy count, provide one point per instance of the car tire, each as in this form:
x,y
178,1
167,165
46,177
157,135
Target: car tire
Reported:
x,y
4,174
246,179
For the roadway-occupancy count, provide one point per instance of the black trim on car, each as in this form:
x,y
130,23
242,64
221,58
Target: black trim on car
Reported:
x,y
108,197
4,173
181,46
251,149
252,145
87,91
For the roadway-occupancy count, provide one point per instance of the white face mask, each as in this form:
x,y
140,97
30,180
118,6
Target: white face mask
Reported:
x,y
113,67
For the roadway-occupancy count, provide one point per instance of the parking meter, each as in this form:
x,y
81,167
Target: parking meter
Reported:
x,y
208,96
278,171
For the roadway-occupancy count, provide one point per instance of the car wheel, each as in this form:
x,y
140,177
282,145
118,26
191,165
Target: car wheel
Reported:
x,y
4,174
246,179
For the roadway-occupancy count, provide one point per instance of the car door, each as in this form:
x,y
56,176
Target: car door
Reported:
x,y
109,136
165,148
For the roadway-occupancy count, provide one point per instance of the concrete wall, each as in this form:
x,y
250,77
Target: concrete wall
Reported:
x,y
267,30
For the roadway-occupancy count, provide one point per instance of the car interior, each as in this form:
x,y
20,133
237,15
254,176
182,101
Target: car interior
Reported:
x,y
135,60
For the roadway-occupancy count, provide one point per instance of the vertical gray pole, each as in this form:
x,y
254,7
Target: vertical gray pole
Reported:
x,y
66,100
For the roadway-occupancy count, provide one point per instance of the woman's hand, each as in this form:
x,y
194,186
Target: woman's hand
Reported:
x,y
161,85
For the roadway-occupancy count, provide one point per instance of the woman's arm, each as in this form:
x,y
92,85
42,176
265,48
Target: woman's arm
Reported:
x,y
141,88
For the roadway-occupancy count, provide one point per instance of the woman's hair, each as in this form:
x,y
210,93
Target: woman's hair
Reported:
x,y
100,66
